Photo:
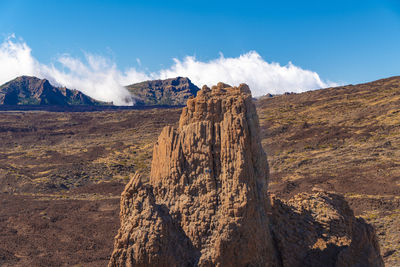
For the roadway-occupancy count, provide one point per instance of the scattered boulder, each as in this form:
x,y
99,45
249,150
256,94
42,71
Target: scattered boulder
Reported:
x,y
320,229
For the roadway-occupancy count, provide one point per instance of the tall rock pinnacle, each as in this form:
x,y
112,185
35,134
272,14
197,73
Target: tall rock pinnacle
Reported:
x,y
206,200
210,175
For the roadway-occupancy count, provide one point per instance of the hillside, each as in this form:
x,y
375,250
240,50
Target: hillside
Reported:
x,y
172,92
342,139
26,90
348,136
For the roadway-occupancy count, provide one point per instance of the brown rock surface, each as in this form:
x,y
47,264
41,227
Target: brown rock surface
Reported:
x,y
319,229
148,236
210,174
206,200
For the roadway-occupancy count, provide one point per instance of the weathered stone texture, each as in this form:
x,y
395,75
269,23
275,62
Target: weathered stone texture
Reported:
x,y
206,200
319,229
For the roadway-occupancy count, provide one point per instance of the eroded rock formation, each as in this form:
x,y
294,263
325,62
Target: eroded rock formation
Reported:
x,y
319,229
148,235
206,200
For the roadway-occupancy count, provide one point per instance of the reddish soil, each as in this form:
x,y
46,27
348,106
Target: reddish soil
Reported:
x,y
57,231
61,173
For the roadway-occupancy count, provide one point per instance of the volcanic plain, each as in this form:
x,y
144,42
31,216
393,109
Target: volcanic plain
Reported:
x,y
62,173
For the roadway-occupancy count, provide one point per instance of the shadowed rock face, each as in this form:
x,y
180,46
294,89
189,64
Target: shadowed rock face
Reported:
x,y
206,198
148,235
320,229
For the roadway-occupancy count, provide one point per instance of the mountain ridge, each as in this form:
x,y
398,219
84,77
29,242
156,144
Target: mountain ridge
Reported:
x,y
172,91
30,90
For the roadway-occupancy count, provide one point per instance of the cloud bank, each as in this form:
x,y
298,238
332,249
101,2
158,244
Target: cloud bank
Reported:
x,y
100,78
250,68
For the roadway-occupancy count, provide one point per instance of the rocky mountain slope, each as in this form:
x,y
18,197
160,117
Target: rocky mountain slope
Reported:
x,y
26,90
171,92
206,201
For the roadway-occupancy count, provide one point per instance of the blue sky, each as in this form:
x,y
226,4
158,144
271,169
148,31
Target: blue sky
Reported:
x,y
342,41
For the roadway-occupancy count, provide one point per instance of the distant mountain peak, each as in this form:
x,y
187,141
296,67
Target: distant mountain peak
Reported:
x,y
172,91
30,90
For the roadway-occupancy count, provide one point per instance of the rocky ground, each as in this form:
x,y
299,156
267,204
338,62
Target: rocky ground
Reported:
x,y
343,139
61,229
61,174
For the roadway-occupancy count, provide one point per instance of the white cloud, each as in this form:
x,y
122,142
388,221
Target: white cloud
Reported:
x,y
101,79
96,77
261,76
15,60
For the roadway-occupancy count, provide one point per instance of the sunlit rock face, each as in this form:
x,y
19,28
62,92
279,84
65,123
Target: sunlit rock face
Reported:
x,y
205,202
